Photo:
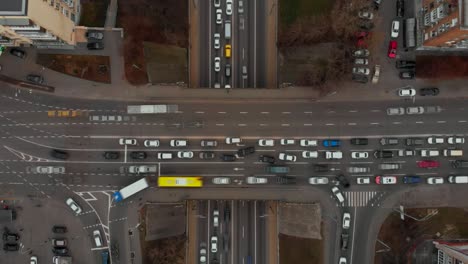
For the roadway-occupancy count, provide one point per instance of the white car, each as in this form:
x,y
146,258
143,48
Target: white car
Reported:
x,y
143,169
231,140
359,155
221,180
287,157
435,140
286,142
333,155
363,180
217,64
185,154
404,92
365,15
337,193
50,169
216,39
266,142
310,154
128,141
74,206
151,143
385,180
97,238
33,260
361,61
395,111
217,3
361,70
435,180
219,19
203,253
342,260
430,153
318,180
375,78
456,140
308,143
346,220
414,110
256,180
228,7
395,28
214,244
179,143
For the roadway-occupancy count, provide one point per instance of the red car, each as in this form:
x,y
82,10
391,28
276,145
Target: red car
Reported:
x,y
428,164
361,38
392,49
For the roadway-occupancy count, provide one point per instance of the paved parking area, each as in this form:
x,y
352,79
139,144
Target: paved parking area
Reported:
x,y
34,222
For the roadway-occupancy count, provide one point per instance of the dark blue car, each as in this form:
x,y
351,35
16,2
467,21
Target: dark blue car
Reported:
x,y
331,143
411,179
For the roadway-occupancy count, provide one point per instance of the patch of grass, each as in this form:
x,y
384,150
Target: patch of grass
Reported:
x,y
165,63
88,67
291,10
294,250
93,13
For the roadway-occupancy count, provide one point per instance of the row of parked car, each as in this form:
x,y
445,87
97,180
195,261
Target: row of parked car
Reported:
x,y
414,110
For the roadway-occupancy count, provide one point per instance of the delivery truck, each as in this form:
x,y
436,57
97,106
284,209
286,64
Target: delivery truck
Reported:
x,y
152,109
131,189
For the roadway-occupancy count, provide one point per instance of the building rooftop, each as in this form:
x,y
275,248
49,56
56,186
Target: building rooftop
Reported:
x,y
13,7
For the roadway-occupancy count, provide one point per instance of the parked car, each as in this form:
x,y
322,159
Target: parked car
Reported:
x,y
360,78
392,49
366,25
245,151
310,154
389,141
228,157
365,15
256,180
34,78
94,35
395,28
18,53
128,141
151,143
287,157
361,53
375,78
221,180
10,237
456,140
346,220
361,61
140,155
267,159
415,141
359,154
111,155
206,155
407,75
333,154
331,143
95,45
266,142
308,143
405,64
411,179
10,247
381,154
286,142
33,260
429,164
435,180
385,180
363,180
406,91
429,91
359,141
361,71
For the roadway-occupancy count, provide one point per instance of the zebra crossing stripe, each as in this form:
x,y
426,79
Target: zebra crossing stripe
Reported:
x,y
359,199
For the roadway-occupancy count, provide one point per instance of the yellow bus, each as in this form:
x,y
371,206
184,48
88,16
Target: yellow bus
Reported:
x,y
180,181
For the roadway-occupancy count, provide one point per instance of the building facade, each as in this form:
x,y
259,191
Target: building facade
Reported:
x,y
445,23
451,252
42,23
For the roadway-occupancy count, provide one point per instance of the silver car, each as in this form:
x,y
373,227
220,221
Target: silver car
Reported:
x,y
221,180
50,169
395,111
415,110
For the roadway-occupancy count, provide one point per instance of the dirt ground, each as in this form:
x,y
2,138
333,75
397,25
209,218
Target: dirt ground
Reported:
x,y
88,67
156,21
296,250
403,236
165,63
441,67
93,13
169,250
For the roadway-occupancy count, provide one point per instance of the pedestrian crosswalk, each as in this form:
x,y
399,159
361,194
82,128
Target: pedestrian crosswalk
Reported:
x,y
361,199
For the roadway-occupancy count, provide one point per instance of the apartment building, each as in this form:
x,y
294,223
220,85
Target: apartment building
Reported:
x,y
445,23
451,252
41,23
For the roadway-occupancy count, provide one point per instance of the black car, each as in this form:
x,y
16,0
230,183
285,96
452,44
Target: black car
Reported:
x,y
459,164
245,151
405,64
34,78
285,180
59,229
344,241
10,247
95,46
138,155
407,75
321,168
383,154
267,159
429,91
228,157
400,7
359,141
10,236
60,250
360,78
207,155
415,141
59,154
18,53
366,25
111,155
342,180
94,35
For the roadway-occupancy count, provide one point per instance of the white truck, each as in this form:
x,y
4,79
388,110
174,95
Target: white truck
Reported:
x,y
131,189
62,260
152,109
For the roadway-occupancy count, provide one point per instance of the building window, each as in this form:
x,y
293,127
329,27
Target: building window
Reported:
x,y
72,17
66,13
57,6
52,2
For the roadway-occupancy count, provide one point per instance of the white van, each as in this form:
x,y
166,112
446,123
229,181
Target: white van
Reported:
x,y
227,29
453,152
458,179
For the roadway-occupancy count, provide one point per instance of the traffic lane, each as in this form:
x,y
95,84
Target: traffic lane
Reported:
x,y
251,44
260,24
204,10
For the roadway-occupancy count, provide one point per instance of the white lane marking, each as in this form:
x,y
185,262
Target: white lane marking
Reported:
x,y
351,124
307,124
374,123
285,125
242,125
419,122
396,123
242,231
330,124
462,121
263,124
265,113
286,113
331,112
199,112
441,121
307,112
243,113
220,124
221,112
375,110
353,111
